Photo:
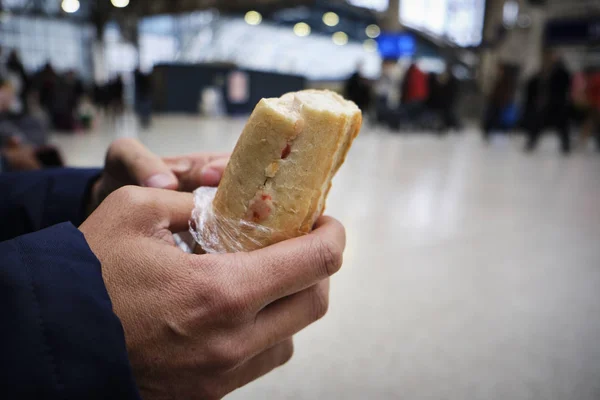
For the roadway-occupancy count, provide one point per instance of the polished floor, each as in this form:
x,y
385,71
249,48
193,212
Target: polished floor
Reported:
x,y
472,270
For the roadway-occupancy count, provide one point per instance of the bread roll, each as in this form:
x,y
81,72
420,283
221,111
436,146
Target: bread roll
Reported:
x,y
281,169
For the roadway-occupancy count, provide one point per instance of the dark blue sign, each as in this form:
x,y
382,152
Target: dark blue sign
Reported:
x,y
396,45
572,32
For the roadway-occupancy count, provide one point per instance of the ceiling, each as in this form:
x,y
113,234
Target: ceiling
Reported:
x,y
353,20
153,7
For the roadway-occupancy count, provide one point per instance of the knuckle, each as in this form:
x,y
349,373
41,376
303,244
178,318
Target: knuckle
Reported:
x,y
233,305
129,195
319,300
135,206
226,354
329,256
119,145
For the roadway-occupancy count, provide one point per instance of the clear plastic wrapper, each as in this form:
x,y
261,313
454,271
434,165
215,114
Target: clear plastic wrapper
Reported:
x,y
215,233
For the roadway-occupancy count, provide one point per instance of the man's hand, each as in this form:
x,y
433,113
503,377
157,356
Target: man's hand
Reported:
x,y
128,162
200,326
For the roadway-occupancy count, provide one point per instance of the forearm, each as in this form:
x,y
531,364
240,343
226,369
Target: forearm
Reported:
x,y
60,338
30,201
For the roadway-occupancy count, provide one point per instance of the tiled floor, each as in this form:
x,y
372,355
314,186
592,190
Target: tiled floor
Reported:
x,y
472,271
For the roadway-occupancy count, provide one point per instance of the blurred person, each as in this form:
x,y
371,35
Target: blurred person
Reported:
x,y
591,126
76,87
443,91
114,310
86,112
20,81
23,139
358,90
578,97
116,91
62,113
102,97
414,91
548,102
143,97
387,95
499,101
46,86
68,90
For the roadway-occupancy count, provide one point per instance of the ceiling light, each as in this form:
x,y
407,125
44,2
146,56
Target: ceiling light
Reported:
x,y
373,31
370,45
253,18
302,29
70,6
331,19
120,3
340,38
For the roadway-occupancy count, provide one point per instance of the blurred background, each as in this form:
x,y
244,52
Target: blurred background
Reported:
x,y
471,197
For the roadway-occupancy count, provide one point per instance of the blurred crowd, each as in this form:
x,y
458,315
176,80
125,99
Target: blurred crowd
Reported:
x,y
33,104
552,99
407,98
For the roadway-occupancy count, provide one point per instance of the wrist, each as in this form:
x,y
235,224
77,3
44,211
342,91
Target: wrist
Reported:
x,y
93,196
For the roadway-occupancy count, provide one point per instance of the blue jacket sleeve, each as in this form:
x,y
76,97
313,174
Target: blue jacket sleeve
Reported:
x,y
30,201
59,338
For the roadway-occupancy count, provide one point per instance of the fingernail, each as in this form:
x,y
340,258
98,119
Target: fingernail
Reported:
x,y
161,181
181,166
210,176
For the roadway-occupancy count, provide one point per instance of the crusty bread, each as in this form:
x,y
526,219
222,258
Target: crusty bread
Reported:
x,y
280,172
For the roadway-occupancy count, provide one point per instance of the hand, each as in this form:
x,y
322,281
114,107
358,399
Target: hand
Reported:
x,y
128,162
200,326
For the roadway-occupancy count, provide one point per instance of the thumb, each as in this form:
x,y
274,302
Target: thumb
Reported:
x,y
143,167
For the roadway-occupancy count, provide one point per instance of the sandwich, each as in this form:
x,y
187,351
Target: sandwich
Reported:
x,y
277,180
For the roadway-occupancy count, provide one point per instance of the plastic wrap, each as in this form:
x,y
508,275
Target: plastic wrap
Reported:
x,y
215,233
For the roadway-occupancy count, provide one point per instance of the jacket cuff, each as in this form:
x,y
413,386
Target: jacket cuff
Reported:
x,y
79,340
69,194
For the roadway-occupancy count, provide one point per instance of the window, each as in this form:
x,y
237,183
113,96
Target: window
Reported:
x,y
40,40
377,5
460,21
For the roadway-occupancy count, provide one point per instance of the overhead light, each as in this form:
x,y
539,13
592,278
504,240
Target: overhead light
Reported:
x,y
340,38
331,19
70,6
253,18
510,13
370,45
120,3
302,29
373,31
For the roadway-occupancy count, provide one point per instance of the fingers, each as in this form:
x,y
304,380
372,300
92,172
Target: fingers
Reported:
x,y
158,208
211,173
289,315
266,275
177,207
195,170
141,165
262,364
